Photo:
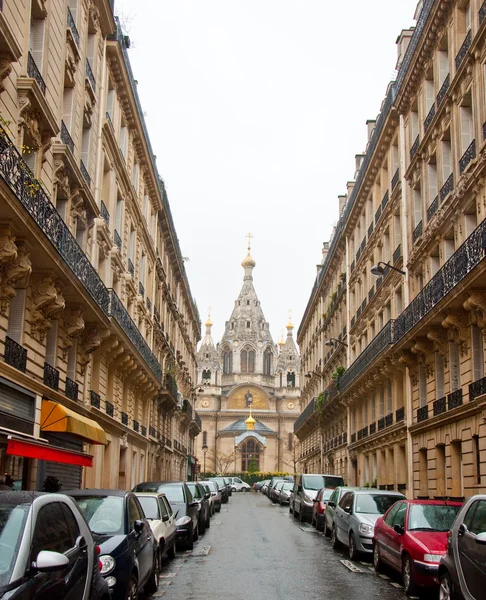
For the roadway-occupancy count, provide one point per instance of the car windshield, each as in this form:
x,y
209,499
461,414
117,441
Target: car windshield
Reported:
x,y
12,522
149,505
103,513
212,485
174,493
288,485
431,517
375,504
326,494
313,482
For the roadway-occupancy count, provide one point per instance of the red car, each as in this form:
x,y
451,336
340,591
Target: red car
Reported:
x,y
319,507
411,537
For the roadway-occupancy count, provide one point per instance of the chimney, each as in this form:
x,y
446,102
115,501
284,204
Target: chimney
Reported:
x,y
370,124
342,203
350,187
403,40
325,250
359,161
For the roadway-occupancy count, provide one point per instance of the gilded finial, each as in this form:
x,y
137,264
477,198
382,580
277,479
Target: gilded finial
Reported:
x,y
209,322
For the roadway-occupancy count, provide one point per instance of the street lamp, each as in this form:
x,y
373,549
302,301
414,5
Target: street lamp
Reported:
x,y
309,374
205,450
333,342
380,269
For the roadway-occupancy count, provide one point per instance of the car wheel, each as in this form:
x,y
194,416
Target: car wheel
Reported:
x,y
189,545
353,551
218,509
195,533
377,562
319,525
171,552
334,538
445,587
202,528
407,576
132,588
301,515
153,581
296,514
208,522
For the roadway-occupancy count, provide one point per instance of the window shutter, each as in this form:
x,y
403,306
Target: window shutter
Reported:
x,y
37,28
51,344
67,106
16,316
72,360
478,353
422,385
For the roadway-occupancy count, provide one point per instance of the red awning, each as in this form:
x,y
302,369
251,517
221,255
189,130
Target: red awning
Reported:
x,y
41,451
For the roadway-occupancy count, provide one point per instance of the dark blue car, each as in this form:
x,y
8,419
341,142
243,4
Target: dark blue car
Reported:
x,y
128,547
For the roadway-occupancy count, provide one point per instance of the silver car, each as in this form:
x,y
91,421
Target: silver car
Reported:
x,y
215,493
355,518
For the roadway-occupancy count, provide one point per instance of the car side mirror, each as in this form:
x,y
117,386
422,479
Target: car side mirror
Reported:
x,y
47,561
399,529
165,518
331,504
193,504
481,538
347,509
462,529
207,496
138,526
315,500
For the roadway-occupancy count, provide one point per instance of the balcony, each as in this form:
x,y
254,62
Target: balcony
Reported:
x,y
381,423
422,413
143,431
141,289
415,146
124,418
353,438
363,433
370,229
95,399
477,388
443,90
433,208
148,303
378,214
467,157
51,376
110,409
306,414
389,420
104,213
463,50
197,421
90,76
117,239
187,408
454,399
429,118
373,428
459,265
152,432
384,201
395,179
482,12
380,343
15,354
417,232
136,425
447,188
66,138
71,389
397,254
131,268
34,73
84,173
440,406
72,26
121,316
400,414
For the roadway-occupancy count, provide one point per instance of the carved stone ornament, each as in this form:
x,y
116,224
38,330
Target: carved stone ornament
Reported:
x,y
19,270
5,70
8,249
61,178
74,324
30,122
54,309
78,209
476,303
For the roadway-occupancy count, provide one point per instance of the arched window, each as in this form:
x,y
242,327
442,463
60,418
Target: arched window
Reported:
x,y
290,379
267,362
247,359
227,361
206,374
250,455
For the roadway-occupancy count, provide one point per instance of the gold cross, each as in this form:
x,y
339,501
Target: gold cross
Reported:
x,y
249,236
209,313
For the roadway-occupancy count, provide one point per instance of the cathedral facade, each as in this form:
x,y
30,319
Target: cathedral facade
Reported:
x,y
247,375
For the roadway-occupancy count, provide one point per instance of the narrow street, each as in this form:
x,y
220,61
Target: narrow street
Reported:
x,y
255,549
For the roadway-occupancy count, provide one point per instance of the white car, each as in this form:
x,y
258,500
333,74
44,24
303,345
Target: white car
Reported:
x,y
158,513
238,485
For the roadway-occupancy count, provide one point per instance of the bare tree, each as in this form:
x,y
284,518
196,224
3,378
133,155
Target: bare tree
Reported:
x,y
222,461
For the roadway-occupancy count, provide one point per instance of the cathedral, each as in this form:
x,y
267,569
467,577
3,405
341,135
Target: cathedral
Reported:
x,y
248,391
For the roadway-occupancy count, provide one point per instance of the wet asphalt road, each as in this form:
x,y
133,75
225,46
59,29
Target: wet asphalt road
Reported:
x,y
255,549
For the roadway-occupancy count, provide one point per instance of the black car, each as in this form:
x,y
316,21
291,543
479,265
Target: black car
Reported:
x,y
202,498
223,486
47,550
462,573
128,548
183,504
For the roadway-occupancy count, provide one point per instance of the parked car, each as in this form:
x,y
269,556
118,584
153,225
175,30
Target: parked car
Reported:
x,y
215,493
259,484
207,489
47,549
223,486
285,492
162,521
306,486
355,518
202,498
128,548
462,573
331,507
184,506
411,537
276,491
319,508
271,488
238,485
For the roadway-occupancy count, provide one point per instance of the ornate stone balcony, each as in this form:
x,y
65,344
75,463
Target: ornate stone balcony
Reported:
x,y
306,414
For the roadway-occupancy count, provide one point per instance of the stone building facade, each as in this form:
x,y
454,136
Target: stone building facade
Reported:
x,y
399,299
98,327
246,371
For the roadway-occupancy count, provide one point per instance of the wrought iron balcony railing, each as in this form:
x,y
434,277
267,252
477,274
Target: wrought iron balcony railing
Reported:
x,y
141,289
378,214
400,414
462,262
124,418
33,71
389,420
308,411
463,50
384,201
422,413
94,399
477,388
143,431
51,376
482,12
468,156
370,229
152,431
432,209
395,179
415,146
373,428
110,409
84,173
454,399
72,26
90,76
117,239
131,268
136,425
447,188
197,420
417,232
443,90
156,314
104,213
15,354
148,302
440,406
369,354
397,254
381,423
66,137
32,196
187,408
430,117
362,433
353,438
71,389
121,316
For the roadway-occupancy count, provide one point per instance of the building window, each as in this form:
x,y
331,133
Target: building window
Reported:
x,y
267,362
51,344
16,316
205,438
454,366
206,374
439,376
422,377
291,379
250,455
478,353
227,361
247,359
248,324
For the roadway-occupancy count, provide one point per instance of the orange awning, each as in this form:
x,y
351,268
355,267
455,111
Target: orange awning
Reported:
x,y
59,418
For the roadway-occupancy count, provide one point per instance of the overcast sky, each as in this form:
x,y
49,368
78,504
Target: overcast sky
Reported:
x,y
255,110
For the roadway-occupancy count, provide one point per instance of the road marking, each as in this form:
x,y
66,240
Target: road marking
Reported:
x,y
396,585
158,594
385,577
168,575
351,566
202,551
217,522
308,529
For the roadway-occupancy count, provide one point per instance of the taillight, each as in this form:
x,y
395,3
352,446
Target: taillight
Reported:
x,y
100,565
97,550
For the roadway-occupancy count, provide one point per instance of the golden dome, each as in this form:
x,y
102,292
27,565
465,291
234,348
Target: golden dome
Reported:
x,y
250,423
290,325
248,261
281,341
208,323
